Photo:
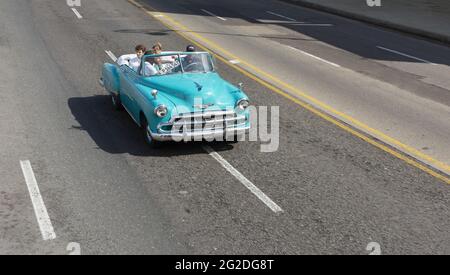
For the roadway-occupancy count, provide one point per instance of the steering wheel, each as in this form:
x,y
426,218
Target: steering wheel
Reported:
x,y
191,65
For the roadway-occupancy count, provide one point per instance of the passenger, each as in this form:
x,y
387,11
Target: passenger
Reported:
x,y
152,65
158,49
133,60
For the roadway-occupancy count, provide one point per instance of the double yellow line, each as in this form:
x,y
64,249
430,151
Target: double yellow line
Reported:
x,y
206,44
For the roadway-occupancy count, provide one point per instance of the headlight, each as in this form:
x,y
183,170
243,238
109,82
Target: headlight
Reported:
x,y
243,104
161,111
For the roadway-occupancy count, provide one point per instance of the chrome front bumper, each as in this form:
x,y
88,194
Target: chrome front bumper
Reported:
x,y
232,125
207,135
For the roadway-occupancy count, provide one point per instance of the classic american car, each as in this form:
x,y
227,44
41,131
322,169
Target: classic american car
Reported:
x,y
178,96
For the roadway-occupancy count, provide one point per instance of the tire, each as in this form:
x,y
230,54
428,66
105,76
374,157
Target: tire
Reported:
x,y
234,141
147,136
116,103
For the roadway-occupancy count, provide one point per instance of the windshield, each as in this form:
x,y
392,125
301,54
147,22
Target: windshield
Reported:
x,y
173,63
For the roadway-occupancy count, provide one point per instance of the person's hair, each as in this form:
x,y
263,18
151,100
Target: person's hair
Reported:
x,y
158,45
190,48
140,48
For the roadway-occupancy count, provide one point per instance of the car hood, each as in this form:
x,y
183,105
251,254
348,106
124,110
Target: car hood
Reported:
x,y
189,90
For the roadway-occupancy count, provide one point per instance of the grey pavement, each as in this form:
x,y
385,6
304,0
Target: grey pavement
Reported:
x,y
427,18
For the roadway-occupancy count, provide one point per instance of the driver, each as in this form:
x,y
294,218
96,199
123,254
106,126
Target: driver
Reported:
x,y
133,60
190,58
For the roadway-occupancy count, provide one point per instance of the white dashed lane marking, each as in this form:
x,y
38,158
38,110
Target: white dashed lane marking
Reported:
x,y
315,57
406,55
77,13
40,210
250,186
282,16
111,55
212,14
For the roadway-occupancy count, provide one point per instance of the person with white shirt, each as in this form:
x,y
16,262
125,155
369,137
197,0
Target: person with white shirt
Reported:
x,y
133,60
152,65
157,65
158,49
150,69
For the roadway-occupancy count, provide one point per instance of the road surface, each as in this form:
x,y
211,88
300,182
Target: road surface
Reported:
x,y
106,191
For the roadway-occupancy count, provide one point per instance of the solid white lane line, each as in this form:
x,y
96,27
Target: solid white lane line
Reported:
x,y
313,25
406,55
77,13
111,55
267,21
315,57
212,14
43,219
255,190
282,16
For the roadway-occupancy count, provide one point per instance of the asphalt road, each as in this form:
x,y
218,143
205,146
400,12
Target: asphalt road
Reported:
x,y
107,191
390,82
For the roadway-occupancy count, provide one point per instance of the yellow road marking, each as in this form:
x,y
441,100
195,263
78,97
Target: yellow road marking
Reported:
x,y
213,46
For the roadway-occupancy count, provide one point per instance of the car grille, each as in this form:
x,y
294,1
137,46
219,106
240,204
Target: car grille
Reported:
x,y
207,121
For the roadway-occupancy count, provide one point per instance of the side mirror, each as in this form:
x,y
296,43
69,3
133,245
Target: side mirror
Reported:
x,y
240,85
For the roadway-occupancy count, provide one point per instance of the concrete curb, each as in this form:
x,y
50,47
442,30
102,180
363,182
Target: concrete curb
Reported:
x,y
398,27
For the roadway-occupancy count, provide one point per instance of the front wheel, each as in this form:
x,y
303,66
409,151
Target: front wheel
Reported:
x,y
148,137
233,140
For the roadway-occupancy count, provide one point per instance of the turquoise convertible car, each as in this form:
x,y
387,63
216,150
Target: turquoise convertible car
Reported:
x,y
178,96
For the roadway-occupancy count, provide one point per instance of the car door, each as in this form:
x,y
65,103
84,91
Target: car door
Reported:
x,y
128,81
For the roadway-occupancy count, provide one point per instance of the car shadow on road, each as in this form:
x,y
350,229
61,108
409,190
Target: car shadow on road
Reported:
x,y
115,132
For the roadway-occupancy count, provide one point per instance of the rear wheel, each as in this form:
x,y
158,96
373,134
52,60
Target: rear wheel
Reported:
x,y
117,104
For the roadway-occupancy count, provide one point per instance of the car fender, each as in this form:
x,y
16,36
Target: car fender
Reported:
x,y
110,78
147,104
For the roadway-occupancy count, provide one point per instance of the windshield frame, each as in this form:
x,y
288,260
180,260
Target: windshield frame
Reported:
x,y
179,56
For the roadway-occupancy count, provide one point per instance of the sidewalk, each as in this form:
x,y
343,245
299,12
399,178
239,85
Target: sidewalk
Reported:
x,y
429,18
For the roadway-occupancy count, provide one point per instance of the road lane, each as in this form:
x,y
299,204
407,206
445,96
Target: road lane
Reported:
x,y
384,103
93,198
375,225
